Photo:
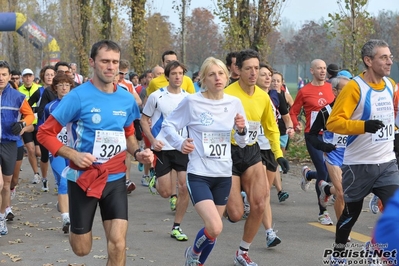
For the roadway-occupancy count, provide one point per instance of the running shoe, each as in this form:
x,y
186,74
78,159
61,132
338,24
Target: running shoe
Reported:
x,y
373,204
151,185
243,260
145,179
305,183
130,186
36,179
191,259
247,207
13,192
325,219
172,203
337,261
3,227
272,239
323,198
140,167
66,222
56,189
178,234
9,215
331,201
44,185
282,196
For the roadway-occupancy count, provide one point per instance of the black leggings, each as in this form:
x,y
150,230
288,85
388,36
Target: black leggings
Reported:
x,y
44,154
352,211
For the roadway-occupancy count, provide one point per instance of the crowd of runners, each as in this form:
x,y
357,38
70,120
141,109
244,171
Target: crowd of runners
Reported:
x,y
217,139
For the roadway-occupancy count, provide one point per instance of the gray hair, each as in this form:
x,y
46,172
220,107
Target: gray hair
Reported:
x,y
335,81
368,48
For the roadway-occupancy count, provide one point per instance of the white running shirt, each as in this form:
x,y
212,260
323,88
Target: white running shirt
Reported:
x,y
159,105
209,123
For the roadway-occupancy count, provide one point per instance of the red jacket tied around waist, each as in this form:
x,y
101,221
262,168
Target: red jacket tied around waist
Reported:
x,y
94,178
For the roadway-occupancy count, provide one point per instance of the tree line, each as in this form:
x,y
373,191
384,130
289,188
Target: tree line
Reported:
x,y
144,33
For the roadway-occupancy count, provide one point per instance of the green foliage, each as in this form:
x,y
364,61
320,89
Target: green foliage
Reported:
x,y
353,25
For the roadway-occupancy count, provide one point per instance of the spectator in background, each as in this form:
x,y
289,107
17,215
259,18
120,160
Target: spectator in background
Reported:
x,y
332,71
196,81
76,76
144,81
345,73
232,67
301,83
161,81
134,78
157,71
16,77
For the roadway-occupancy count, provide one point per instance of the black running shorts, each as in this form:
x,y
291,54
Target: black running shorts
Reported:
x,y
82,209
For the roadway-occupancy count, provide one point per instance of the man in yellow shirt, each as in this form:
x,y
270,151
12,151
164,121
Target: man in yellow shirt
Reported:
x,y
248,172
161,81
364,110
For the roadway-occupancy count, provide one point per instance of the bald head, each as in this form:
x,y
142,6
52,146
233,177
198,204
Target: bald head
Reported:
x,y
317,62
157,71
318,69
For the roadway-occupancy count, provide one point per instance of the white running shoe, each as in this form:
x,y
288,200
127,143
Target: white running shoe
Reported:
x,y
66,222
36,178
305,183
373,205
13,192
44,185
323,198
9,215
272,239
145,180
3,227
247,207
130,186
191,260
325,219
243,260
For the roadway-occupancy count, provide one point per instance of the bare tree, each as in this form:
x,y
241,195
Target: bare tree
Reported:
x,y
106,20
247,25
182,7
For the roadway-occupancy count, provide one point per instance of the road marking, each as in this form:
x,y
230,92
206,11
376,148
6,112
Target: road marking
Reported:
x,y
354,235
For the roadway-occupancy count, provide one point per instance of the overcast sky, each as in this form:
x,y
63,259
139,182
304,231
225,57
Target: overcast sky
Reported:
x,y
298,11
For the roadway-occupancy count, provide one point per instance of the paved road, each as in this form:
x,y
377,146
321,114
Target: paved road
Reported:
x,y
35,236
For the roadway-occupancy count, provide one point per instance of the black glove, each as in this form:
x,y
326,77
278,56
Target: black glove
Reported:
x,y
373,126
284,164
17,127
327,147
